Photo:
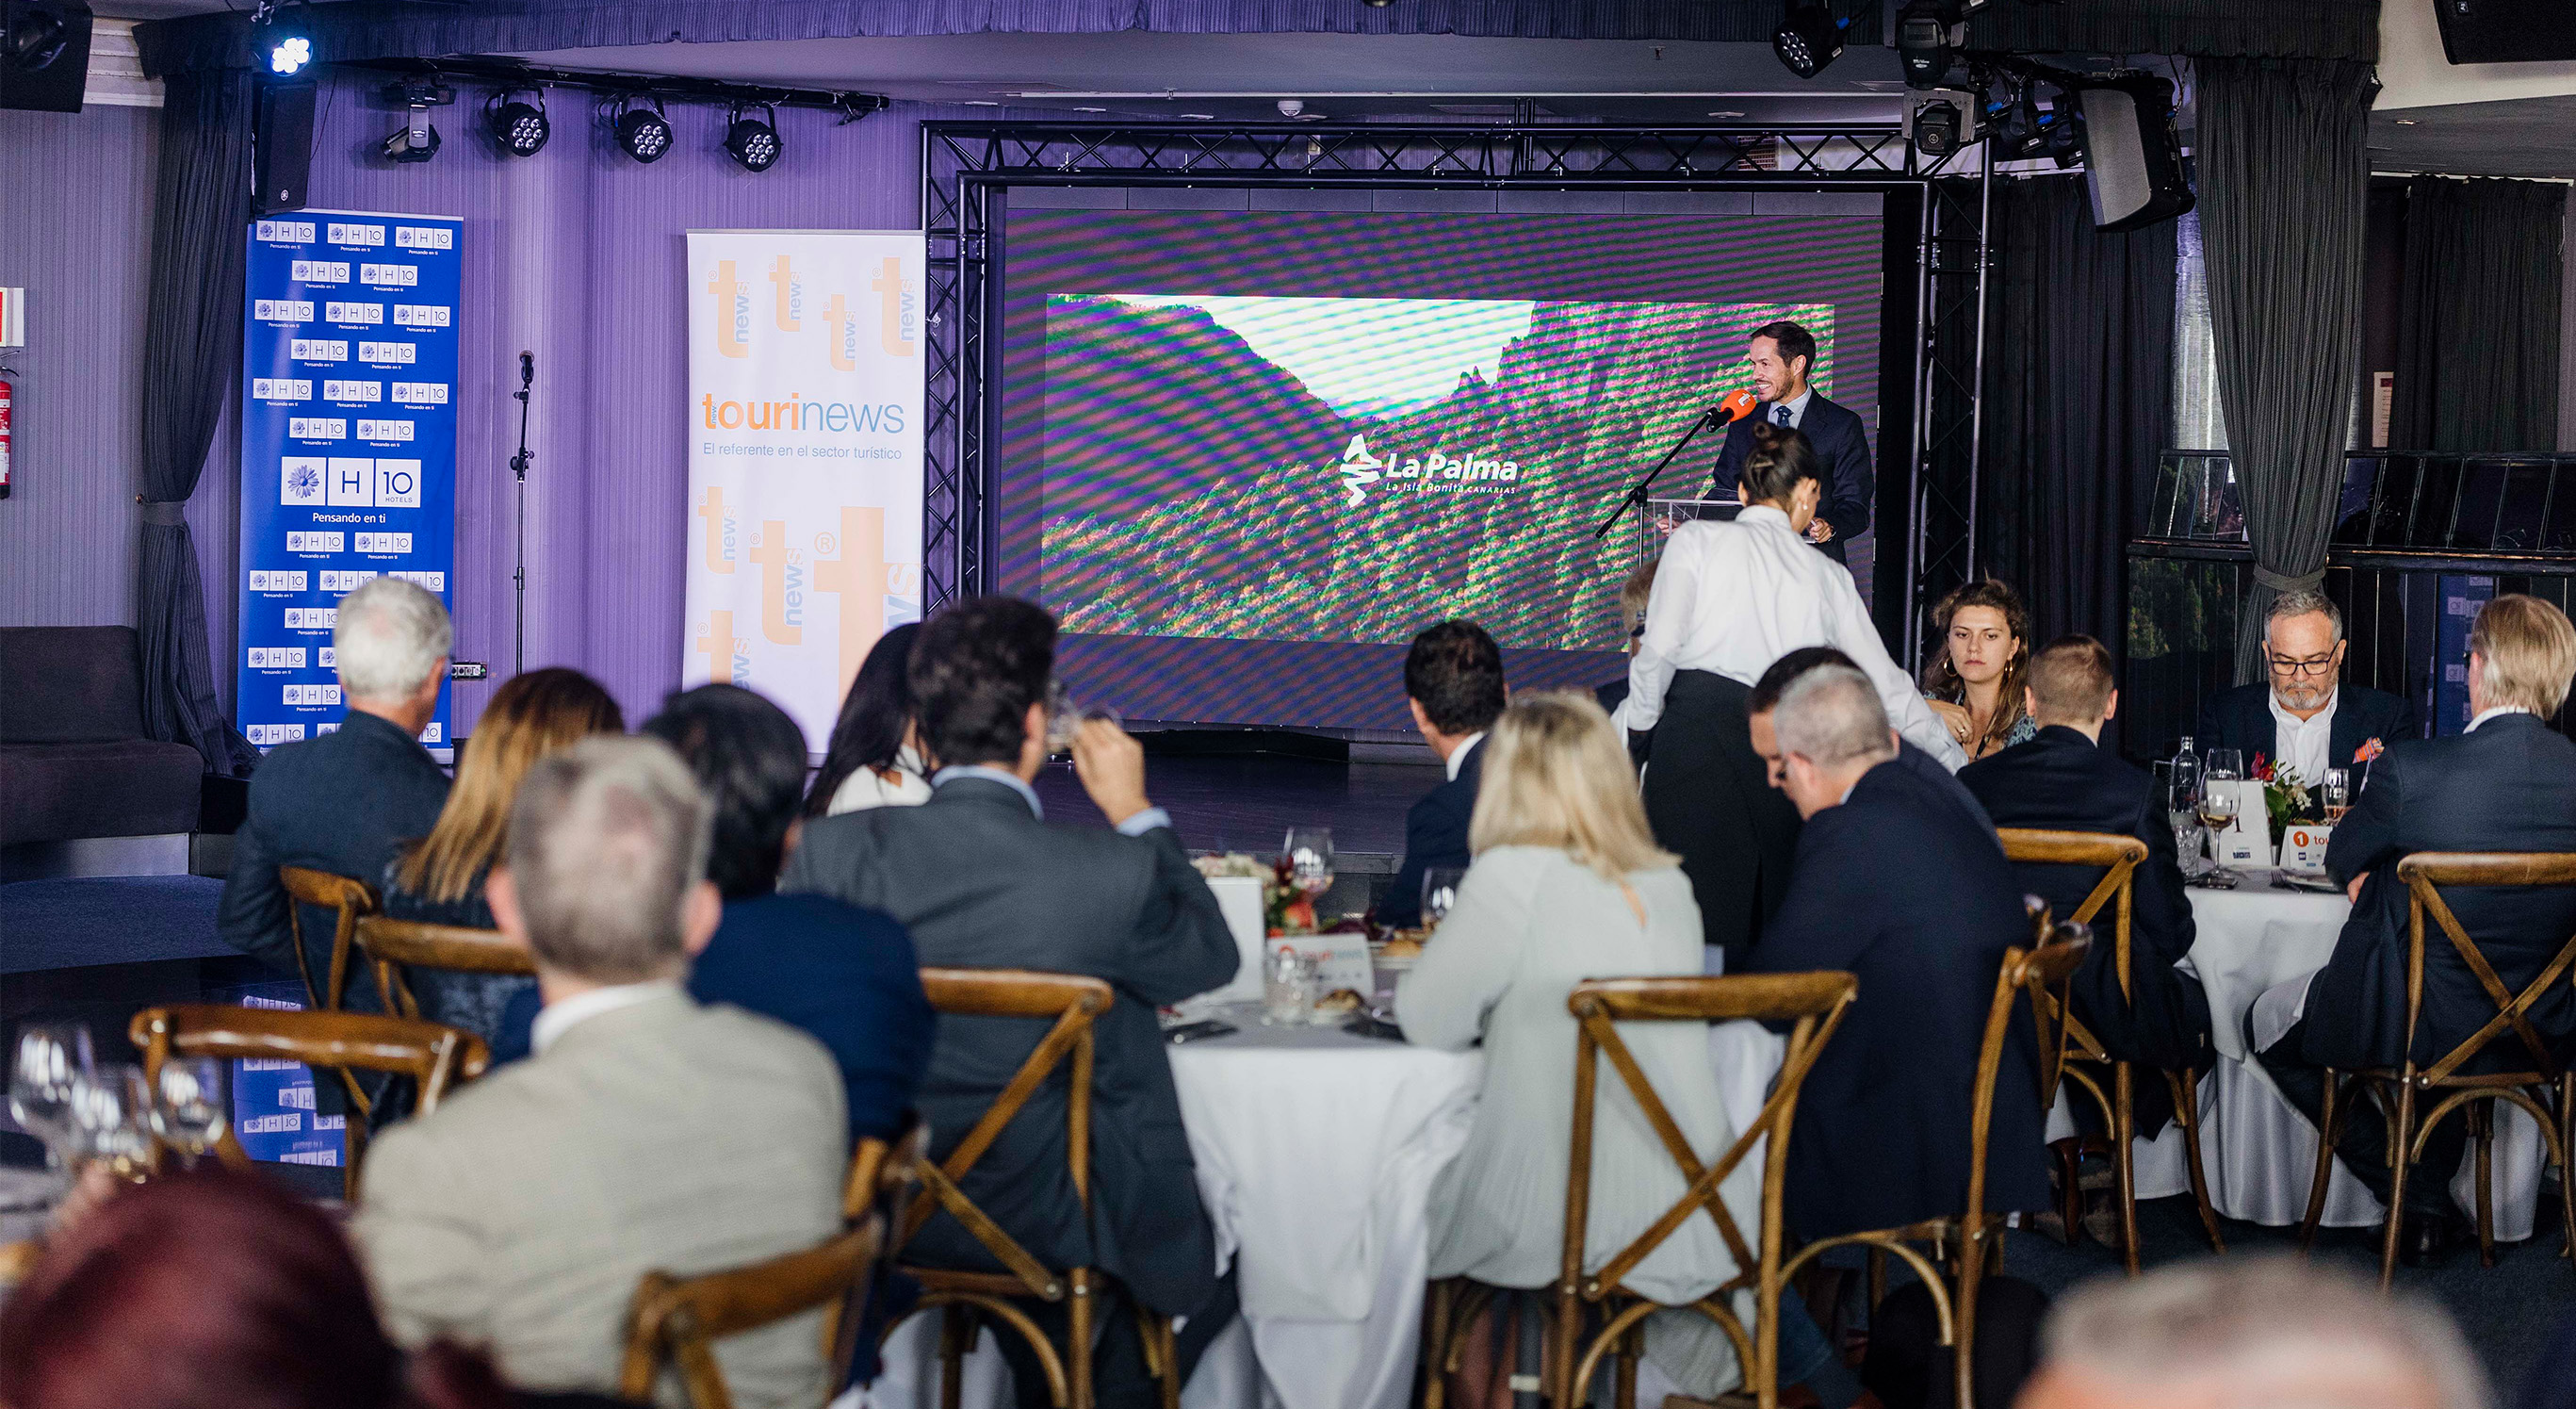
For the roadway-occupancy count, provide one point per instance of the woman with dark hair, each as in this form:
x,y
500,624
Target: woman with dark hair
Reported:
x,y
215,1288
1980,664
439,878
1730,597
874,759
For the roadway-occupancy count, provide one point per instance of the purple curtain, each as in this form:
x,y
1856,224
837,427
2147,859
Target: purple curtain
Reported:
x,y
192,352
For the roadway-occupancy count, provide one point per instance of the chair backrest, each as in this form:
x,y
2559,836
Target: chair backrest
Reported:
x,y
2425,873
2118,856
678,1320
2043,974
1813,1003
1075,1002
882,1176
351,899
393,945
434,1057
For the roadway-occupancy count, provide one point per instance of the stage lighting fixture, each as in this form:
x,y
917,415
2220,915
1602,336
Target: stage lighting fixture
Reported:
x,y
288,54
1929,34
1938,125
643,131
753,144
416,140
36,38
2015,126
1809,37
520,129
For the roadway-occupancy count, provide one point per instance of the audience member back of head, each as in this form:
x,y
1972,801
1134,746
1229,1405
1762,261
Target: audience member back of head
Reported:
x,y
1453,684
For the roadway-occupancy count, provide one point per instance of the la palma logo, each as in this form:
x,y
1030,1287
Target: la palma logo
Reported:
x,y
1360,469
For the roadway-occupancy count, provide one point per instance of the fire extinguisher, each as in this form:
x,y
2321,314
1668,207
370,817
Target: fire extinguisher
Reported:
x,y
8,395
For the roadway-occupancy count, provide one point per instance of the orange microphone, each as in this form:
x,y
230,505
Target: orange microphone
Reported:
x,y
1737,405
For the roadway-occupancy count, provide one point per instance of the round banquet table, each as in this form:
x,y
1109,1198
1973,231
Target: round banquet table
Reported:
x,y
2258,1152
1316,1154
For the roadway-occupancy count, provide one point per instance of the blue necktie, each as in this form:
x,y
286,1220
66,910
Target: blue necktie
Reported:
x,y
1780,414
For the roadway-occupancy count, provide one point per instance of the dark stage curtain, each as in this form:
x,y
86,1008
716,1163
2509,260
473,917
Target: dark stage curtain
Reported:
x,y
2284,174
2478,316
2078,397
192,343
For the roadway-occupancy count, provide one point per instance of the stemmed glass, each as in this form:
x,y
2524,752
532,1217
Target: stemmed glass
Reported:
x,y
2218,799
2217,806
51,1057
191,1106
2335,794
111,1115
1309,854
1439,892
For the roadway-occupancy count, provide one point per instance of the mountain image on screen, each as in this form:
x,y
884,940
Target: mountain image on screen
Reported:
x,y
1351,470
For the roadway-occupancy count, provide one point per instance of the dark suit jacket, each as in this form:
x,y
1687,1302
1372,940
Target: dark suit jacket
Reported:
x,y
342,803
982,884
1842,451
2241,719
1435,834
1902,887
2062,781
2509,786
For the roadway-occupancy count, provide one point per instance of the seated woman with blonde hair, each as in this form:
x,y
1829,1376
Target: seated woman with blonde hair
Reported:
x,y
1568,884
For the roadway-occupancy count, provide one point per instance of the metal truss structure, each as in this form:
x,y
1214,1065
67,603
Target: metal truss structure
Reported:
x,y
964,164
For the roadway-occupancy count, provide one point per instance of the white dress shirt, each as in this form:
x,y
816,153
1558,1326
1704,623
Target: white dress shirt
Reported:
x,y
2303,744
1730,598
1457,758
555,1019
2486,714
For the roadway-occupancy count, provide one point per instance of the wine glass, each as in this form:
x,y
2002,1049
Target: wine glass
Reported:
x,y
2217,805
1066,715
1309,854
1439,892
111,1115
191,1106
2335,793
51,1056
2224,764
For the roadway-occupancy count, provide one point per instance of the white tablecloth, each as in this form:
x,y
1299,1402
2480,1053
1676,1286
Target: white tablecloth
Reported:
x,y
1316,1152
2257,1152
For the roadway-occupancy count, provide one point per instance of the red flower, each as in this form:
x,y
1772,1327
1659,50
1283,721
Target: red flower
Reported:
x,y
2262,769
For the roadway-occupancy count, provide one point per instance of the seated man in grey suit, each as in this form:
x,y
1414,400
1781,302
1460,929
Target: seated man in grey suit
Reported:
x,y
646,1133
983,881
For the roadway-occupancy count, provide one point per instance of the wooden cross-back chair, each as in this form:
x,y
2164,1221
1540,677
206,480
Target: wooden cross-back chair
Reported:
x,y
436,1058
677,1321
2119,858
1814,1004
395,945
351,900
1971,1241
2401,1089
1073,1003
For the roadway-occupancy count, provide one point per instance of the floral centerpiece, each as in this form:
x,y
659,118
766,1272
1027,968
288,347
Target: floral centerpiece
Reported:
x,y
1284,908
2286,798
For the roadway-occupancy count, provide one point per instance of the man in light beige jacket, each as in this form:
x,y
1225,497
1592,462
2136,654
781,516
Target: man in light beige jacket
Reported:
x,y
646,1133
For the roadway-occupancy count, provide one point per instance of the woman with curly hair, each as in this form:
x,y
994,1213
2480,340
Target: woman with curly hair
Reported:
x,y
1980,664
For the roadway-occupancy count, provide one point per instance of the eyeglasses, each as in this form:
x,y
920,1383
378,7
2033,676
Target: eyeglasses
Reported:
x,y
2314,665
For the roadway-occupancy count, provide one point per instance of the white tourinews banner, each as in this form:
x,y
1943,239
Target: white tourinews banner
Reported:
x,y
805,416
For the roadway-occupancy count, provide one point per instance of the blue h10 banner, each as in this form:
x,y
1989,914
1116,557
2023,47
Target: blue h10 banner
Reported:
x,y
348,445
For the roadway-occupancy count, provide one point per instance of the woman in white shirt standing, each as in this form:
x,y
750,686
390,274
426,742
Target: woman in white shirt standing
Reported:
x,y
1567,885
1729,599
874,758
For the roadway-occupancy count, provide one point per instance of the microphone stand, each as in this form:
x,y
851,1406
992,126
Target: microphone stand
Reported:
x,y
1710,419
519,575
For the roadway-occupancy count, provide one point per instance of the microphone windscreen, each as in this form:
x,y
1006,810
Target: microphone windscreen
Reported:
x,y
1738,403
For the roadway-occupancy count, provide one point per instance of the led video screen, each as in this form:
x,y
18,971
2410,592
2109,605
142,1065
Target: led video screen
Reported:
x,y
1245,455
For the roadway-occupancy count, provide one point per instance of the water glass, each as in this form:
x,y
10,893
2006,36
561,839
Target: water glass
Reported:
x,y
1287,988
111,1121
1309,854
1066,715
192,1105
1439,892
2335,794
50,1058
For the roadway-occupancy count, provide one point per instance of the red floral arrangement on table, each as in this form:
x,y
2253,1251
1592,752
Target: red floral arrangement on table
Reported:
x,y
2285,794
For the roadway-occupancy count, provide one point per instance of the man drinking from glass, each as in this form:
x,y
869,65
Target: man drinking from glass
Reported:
x,y
2302,718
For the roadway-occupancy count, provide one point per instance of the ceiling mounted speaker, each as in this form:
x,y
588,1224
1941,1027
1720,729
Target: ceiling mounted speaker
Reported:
x,y
44,54
2132,155
2507,31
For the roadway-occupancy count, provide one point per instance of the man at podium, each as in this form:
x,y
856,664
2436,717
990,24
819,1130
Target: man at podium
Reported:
x,y
1782,354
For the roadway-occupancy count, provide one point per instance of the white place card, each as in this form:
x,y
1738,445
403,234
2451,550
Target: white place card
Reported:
x,y
1239,898
1341,961
2303,848
2247,841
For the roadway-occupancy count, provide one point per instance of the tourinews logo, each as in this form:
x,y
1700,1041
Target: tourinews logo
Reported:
x,y
1437,471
